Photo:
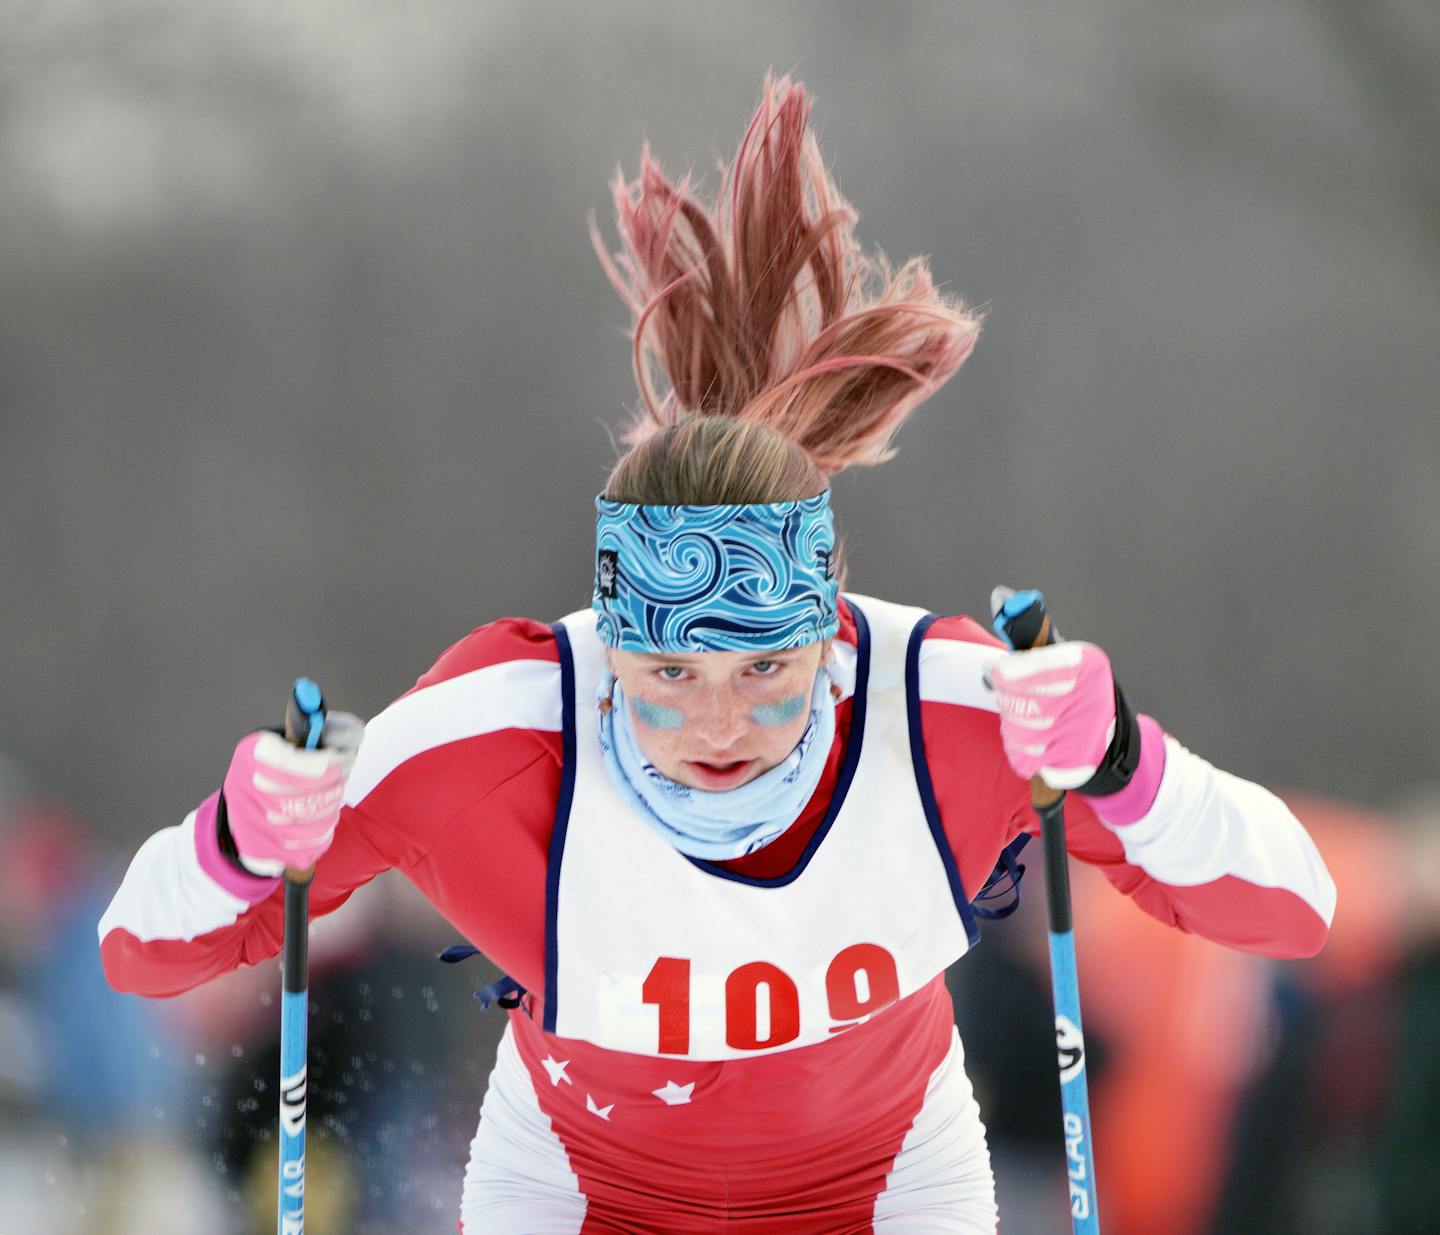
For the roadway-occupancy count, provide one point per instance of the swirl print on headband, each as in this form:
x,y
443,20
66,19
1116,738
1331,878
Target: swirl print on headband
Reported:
x,y
754,577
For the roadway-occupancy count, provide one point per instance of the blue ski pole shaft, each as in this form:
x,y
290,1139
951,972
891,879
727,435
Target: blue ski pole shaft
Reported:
x,y
1025,623
1069,1029
304,722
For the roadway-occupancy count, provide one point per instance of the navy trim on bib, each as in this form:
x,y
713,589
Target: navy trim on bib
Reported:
x,y
562,820
923,781
842,781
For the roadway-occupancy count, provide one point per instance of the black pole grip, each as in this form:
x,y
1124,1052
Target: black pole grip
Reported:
x,y
296,962
1057,871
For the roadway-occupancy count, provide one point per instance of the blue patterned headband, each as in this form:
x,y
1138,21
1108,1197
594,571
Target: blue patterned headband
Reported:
x,y
715,578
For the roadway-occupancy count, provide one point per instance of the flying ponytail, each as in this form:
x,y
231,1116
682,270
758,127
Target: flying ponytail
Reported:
x,y
764,310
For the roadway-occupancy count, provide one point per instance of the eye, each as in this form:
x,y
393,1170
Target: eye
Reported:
x,y
766,668
671,673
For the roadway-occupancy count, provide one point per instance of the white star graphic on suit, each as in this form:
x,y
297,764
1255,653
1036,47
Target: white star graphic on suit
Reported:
x,y
556,1068
673,1094
602,1111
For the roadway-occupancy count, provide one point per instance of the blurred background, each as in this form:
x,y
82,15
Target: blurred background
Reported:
x,y
306,365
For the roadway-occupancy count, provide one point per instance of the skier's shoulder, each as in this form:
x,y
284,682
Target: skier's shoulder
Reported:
x,y
955,658
959,628
504,643
488,706
939,628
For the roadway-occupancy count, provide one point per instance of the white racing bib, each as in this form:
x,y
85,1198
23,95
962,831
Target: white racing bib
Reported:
x,y
655,953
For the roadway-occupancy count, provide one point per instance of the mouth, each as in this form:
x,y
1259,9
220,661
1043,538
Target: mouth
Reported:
x,y
719,775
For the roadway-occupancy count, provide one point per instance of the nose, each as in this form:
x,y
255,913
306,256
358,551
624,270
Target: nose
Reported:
x,y
721,721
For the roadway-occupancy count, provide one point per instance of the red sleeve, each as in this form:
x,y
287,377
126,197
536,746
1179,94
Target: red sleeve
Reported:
x,y
447,751
984,805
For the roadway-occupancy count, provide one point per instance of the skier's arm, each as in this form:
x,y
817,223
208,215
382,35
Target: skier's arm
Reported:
x,y
1209,853
1215,854
187,911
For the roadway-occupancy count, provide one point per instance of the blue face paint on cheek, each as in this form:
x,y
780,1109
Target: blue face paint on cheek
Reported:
x,y
656,715
781,712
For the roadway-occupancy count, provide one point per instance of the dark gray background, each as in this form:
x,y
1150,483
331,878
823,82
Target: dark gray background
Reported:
x,y
306,364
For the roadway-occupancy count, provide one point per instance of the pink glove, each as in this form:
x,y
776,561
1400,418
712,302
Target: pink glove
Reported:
x,y
1057,711
283,802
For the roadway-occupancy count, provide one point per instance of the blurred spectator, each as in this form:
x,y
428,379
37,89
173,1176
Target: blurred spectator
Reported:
x,y
1182,1020
1407,1181
388,1126
1338,1132
123,1115
1006,1017
1171,1030
94,1102
1245,1095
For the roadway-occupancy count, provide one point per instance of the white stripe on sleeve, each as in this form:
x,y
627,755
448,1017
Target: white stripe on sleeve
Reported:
x,y
1206,824
514,694
167,895
954,671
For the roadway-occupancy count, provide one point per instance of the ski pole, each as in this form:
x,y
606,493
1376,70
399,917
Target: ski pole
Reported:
x,y
1024,623
304,723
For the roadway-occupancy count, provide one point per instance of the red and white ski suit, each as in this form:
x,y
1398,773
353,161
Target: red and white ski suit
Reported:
x,y
747,1062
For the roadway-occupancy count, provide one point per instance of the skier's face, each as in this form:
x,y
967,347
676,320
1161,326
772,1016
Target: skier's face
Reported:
x,y
717,720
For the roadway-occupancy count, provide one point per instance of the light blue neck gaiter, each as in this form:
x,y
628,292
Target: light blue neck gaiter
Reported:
x,y
733,822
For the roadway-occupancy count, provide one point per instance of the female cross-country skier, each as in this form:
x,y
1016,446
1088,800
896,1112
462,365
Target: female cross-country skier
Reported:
x,y
723,828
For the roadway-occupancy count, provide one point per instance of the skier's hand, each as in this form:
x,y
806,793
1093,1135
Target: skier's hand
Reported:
x,y
1057,711
283,802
